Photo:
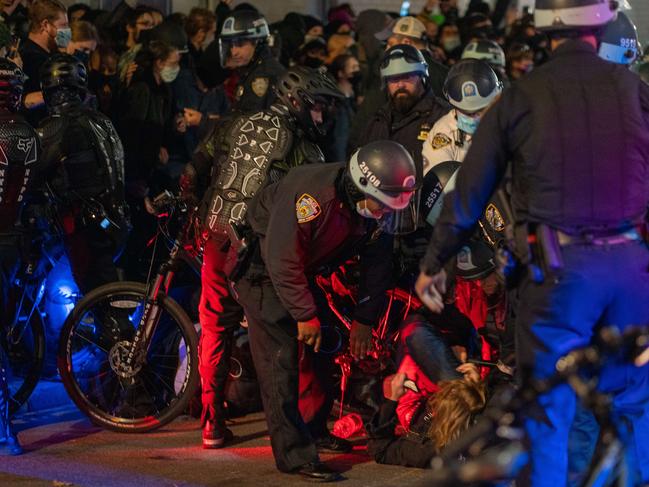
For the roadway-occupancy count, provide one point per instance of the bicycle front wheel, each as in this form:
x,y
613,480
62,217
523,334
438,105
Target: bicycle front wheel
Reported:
x,y
23,344
95,340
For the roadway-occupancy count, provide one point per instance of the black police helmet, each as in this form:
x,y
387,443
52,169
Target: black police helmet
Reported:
x,y
573,15
438,182
475,260
301,88
403,59
63,71
12,82
245,24
619,43
471,85
384,170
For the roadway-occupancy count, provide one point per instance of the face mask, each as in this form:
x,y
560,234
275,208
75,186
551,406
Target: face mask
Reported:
x,y
208,40
63,37
467,124
451,43
365,212
313,62
169,74
356,78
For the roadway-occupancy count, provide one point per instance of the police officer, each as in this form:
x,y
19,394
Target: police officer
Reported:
x,y
19,165
243,45
316,216
471,86
85,171
244,154
412,109
619,42
579,187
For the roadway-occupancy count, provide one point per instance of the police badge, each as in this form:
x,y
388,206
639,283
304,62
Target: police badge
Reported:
x,y
260,86
440,140
494,218
307,208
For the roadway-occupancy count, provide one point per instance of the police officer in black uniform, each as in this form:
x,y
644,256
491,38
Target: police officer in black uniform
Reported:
x,y
314,217
412,109
85,164
19,166
243,44
246,152
580,187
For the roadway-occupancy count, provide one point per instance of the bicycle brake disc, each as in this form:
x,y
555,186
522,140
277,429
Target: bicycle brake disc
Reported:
x,y
118,359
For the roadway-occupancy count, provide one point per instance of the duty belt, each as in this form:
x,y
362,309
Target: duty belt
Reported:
x,y
632,235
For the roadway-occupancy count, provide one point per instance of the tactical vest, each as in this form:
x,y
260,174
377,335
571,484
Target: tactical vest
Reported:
x,y
19,157
255,150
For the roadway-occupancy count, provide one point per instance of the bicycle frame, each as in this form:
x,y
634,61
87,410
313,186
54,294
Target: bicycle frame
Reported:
x,y
162,284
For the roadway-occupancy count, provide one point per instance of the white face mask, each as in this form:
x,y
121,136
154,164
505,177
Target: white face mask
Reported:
x,y
365,212
168,74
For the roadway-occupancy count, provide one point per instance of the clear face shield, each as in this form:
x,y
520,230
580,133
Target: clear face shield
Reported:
x,y
405,221
225,51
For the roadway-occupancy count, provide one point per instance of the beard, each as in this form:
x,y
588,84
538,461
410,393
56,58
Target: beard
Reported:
x,y
403,102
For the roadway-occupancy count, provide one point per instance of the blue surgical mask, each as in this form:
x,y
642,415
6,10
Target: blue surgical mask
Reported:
x,y
467,124
63,37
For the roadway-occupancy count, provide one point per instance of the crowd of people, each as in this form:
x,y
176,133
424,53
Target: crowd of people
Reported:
x,y
308,142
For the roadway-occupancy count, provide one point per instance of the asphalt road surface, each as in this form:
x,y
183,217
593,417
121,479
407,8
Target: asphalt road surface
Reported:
x,y
65,449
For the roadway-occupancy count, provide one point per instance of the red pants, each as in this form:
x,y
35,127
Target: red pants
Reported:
x,y
220,315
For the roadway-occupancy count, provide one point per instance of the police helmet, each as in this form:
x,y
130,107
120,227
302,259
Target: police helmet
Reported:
x,y
301,88
475,260
12,80
245,24
619,42
384,170
571,15
403,59
486,50
471,85
63,71
438,182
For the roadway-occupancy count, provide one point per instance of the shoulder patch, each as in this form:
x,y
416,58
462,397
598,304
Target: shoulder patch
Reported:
x,y
260,86
494,218
440,140
307,208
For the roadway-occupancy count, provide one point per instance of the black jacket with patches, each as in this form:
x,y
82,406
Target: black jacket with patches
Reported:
x,y
295,247
409,130
255,90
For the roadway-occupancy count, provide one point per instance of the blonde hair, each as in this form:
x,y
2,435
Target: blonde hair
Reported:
x,y
83,31
452,408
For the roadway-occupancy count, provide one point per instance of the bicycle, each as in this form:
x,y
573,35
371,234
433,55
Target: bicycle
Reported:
x,y
493,451
23,337
128,351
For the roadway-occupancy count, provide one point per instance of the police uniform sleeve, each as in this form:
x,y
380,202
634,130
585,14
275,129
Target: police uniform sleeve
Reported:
x,y
286,244
375,278
644,102
497,138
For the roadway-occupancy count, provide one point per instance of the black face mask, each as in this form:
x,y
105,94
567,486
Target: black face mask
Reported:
x,y
313,62
356,79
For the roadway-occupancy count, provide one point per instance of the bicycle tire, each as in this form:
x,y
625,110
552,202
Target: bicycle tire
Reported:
x,y
99,415
29,373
